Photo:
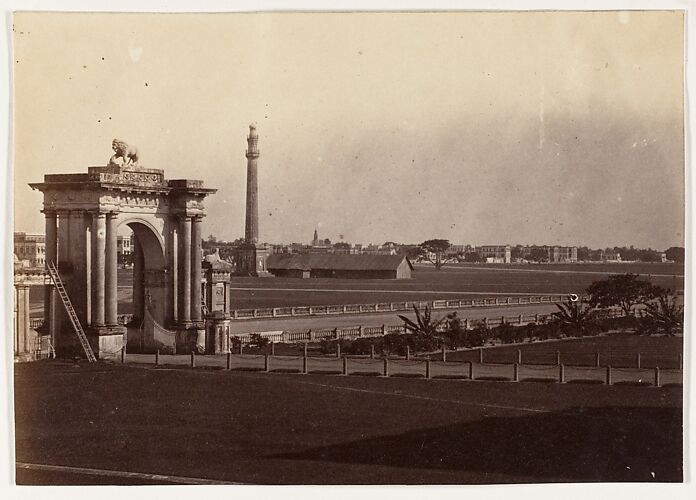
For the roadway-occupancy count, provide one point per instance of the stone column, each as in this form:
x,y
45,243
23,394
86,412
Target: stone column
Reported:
x,y
27,320
185,265
196,268
21,317
51,256
138,280
87,237
78,256
175,273
64,236
98,267
111,272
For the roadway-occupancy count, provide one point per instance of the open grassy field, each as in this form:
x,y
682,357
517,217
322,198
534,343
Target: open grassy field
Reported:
x,y
458,281
454,281
617,350
316,429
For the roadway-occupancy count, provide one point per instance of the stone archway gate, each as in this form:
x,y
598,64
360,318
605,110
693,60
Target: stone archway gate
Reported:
x,y
83,212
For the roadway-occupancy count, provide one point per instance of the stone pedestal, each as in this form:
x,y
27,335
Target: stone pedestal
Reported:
x,y
251,260
106,341
190,337
218,334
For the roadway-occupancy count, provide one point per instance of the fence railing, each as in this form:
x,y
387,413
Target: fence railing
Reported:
x,y
324,310
422,367
329,310
36,323
353,332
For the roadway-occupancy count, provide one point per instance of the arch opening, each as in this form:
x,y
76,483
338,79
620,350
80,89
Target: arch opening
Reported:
x,y
141,276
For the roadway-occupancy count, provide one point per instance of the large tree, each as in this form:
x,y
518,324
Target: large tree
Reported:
x,y
676,254
622,290
538,254
435,252
473,257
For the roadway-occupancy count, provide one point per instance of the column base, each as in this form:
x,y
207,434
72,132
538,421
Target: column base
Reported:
x,y
106,341
190,336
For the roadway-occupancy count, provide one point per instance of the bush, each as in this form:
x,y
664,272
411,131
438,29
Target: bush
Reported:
x,y
328,346
394,343
664,315
256,340
622,323
235,343
506,333
361,346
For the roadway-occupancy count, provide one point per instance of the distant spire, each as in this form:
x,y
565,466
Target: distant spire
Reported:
x,y
316,236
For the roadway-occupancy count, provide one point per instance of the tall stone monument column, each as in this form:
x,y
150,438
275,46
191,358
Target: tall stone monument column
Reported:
x,y
251,257
251,228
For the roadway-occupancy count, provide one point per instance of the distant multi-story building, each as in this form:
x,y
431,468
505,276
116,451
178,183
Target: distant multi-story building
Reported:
x,y
610,256
124,249
549,253
30,248
495,253
456,249
563,254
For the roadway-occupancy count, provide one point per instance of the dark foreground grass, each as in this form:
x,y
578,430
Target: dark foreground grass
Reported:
x,y
618,350
313,429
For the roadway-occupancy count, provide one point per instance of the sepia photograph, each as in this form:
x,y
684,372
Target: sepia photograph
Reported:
x,y
405,247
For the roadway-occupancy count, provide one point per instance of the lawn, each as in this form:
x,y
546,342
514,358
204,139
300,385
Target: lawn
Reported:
x,y
452,282
618,350
313,429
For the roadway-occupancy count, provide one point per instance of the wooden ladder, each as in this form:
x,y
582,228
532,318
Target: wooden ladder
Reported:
x,y
58,282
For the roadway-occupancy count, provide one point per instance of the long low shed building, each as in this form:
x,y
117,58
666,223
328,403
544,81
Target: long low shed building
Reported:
x,y
335,265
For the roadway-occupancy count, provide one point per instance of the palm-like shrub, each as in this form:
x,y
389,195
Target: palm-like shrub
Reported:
x,y
663,315
425,328
575,318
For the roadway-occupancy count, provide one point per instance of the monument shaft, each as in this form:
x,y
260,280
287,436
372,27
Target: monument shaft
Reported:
x,y
251,228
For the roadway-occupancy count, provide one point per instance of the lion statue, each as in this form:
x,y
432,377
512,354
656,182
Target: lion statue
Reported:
x,y
128,154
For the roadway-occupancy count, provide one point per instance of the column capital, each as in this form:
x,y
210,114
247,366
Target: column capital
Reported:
x,y
197,217
49,212
96,213
183,217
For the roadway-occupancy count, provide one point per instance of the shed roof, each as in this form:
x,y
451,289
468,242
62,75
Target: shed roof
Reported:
x,y
338,261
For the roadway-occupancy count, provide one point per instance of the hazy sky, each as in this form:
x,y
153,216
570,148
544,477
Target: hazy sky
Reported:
x,y
483,128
